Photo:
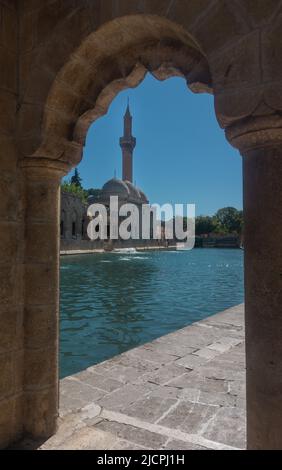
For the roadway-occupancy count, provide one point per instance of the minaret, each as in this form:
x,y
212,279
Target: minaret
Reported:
x,y
127,143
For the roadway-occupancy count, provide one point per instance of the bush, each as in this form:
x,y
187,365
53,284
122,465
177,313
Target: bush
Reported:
x,y
72,188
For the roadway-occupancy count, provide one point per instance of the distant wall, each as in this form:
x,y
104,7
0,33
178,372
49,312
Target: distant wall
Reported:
x,y
73,227
230,241
73,222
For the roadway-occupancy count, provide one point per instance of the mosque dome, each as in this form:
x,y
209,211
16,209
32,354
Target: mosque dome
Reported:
x,y
143,197
123,189
133,191
116,187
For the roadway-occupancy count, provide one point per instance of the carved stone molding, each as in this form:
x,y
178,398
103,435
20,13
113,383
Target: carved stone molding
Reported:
x,y
255,133
44,167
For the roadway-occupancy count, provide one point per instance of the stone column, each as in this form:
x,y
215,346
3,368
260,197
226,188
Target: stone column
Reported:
x,y
42,205
260,143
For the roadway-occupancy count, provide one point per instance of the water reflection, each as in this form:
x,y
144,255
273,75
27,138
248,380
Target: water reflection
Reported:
x,y
111,303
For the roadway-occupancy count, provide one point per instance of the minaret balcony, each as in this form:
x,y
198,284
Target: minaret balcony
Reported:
x,y
127,142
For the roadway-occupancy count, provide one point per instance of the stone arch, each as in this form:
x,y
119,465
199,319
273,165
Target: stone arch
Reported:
x,y
52,47
115,57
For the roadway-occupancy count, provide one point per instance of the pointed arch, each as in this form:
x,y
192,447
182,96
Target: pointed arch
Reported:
x,y
114,58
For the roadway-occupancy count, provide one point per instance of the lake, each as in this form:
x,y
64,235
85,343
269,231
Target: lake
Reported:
x,y
113,302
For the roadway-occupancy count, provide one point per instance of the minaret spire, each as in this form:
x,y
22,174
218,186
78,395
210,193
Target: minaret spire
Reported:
x,y
127,143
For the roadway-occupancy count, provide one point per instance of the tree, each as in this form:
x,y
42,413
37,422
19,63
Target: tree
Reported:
x,y
93,192
69,187
230,220
204,225
76,179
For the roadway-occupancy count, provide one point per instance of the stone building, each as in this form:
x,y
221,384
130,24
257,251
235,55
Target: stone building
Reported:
x,y
74,219
62,63
73,224
124,188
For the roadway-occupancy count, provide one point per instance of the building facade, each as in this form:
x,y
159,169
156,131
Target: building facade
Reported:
x,y
74,218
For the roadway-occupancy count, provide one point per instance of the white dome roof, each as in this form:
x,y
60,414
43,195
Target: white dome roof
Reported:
x,y
143,197
116,186
124,189
133,191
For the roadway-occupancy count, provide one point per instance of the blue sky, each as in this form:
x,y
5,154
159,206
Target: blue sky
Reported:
x,y
181,154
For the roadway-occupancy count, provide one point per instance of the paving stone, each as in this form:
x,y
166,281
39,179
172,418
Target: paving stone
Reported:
x,y
150,408
67,427
122,398
191,361
230,341
127,445
175,348
138,436
241,403
234,357
206,353
202,392
237,388
164,374
142,366
108,384
189,417
164,392
196,339
124,374
89,439
227,426
200,382
222,372
181,445
102,368
219,399
71,388
190,394
70,404
152,356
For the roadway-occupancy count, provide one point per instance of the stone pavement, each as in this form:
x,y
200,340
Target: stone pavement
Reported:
x,y
185,390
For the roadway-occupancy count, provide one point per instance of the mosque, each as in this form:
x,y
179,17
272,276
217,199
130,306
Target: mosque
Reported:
x,y
124,188
74,219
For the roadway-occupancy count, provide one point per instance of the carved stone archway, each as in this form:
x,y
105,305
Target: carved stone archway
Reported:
x,y
114,58
107,62
71,60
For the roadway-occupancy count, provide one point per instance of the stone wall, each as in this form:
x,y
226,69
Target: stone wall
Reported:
x,y
73,229
62,63
73,223
213,241
11,234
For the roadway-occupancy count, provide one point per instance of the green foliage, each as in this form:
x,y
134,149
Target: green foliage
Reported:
x,y
205,225
226,221
230,220
76,179
93,192
69,187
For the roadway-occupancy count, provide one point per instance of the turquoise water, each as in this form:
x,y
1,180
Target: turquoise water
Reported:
x,y
111,302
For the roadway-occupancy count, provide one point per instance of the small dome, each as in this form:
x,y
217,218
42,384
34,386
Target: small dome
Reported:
x,y
143,197
133,191
116,187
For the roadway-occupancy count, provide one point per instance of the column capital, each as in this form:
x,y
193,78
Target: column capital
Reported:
x,y
45,167
255,133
